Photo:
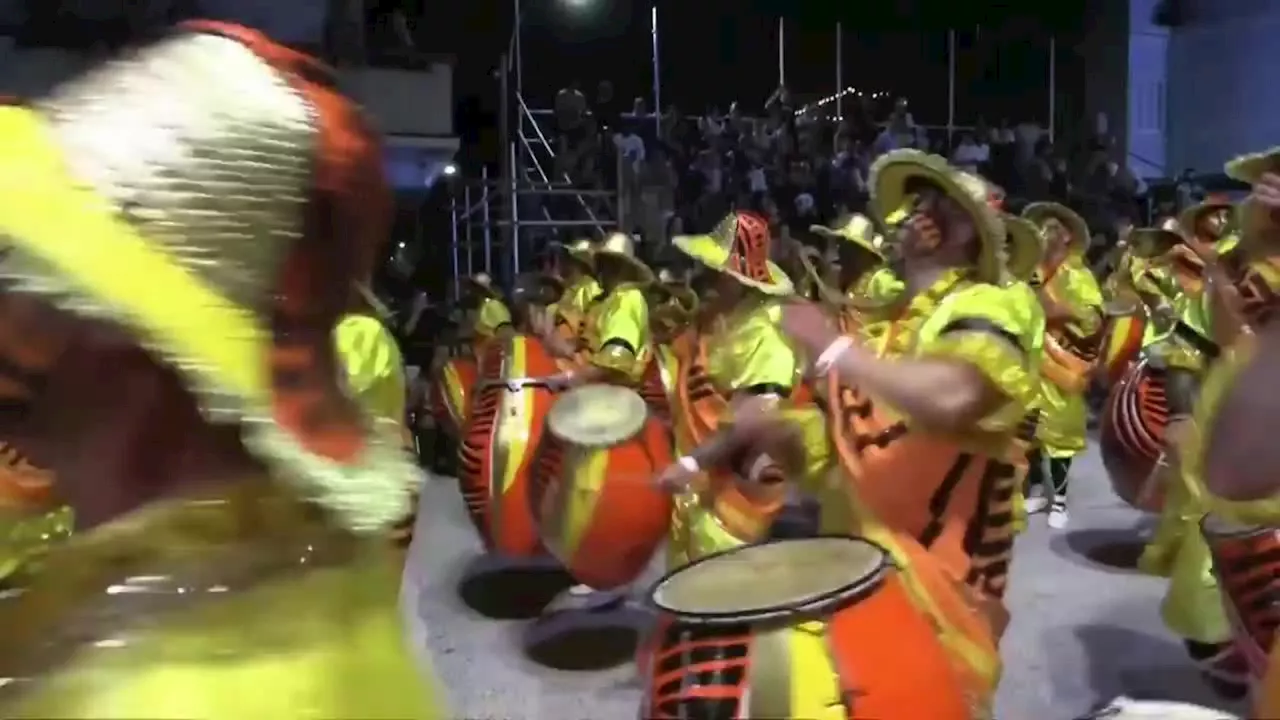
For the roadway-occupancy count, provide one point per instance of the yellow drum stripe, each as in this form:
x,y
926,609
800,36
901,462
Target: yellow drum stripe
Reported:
x,y
1119,331
589,467
455,395
815,688
517,419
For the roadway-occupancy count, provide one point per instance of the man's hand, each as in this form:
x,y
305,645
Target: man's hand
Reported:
x,y
808,326
676,478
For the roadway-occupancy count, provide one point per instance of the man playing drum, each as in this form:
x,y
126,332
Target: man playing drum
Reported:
x,y
1230,455
580,289
1073,313
614,347
924,467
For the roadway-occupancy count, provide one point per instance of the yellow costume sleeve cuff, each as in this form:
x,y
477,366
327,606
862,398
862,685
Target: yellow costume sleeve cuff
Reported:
x,y
1001,364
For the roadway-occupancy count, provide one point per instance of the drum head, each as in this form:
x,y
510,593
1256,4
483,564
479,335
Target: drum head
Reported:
x,y
769,580
597,415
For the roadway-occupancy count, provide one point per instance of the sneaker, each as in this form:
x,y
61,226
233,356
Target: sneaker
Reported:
x,y
1058,515
1035,505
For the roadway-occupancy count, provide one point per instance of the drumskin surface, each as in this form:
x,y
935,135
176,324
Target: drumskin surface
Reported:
x,y
450,393
498,451
598,510
870,654
1132,432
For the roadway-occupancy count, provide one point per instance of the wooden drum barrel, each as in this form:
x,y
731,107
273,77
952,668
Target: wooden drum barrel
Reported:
x,y
1132,434
796,629
1126,327
451,393
597,506
498,449
1246,561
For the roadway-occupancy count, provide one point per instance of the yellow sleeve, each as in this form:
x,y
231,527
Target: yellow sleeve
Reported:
x,y
884,285
374,369
1078,289
622,331
493,315
752,353
997,330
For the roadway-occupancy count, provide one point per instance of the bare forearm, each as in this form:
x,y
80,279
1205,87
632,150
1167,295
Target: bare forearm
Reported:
x,y
938,394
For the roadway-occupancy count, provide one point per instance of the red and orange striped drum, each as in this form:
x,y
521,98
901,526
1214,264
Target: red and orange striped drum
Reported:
x,y
451,393
1246,561
1132,434
598,508
796,629
1126,327
499,447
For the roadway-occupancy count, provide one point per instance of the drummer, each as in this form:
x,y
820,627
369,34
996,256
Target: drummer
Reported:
x,y
492,317
958,359
615,347
580,288
1230,457
742,356
1072,303
856,269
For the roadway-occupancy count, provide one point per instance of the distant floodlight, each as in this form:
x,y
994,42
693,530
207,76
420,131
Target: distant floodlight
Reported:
x,y
578,4
450,169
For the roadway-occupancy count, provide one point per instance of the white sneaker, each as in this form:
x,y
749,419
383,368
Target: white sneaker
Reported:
x,y
1036,502
1058,515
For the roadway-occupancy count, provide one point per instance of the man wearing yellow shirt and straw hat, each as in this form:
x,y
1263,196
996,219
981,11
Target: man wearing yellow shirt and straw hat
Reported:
x,y
1073,312
232,497
580,288
860,269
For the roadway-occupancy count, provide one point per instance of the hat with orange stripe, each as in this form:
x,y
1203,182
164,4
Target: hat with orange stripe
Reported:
x,y
739,247
216,196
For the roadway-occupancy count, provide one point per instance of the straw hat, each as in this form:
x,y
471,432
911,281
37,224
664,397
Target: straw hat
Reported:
x,y
1041,212
674,289
1250,168
1025,247
620,249
482,285
1191,216
738,246
539,288
857,231
579,251
169,192
1154,242
892,173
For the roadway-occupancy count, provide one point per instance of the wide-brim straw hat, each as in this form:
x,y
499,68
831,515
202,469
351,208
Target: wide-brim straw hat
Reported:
x,y
1153,242
670,288
891,177
1192,215
856,231
171,193
739,247
482,285
579,251
1251,167
1041,212
1025,248
619,249
539,288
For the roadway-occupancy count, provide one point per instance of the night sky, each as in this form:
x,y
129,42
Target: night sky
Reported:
x,y
712,52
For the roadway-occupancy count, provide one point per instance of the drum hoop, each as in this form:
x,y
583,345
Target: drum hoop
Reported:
x,y
1243,532
850,591
515,384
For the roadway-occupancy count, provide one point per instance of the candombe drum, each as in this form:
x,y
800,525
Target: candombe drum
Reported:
x,y
499,447
1126,327
1246,561
1128,709
1132,435
595,500
796,629
450,394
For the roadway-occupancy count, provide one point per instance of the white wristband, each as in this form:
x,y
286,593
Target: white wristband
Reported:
x,y
688,463
828,358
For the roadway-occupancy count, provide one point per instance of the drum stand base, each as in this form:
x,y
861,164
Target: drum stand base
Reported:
x,y
604,632
504,588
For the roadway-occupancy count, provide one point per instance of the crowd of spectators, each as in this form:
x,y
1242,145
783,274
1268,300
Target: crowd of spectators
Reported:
x,y
803,165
